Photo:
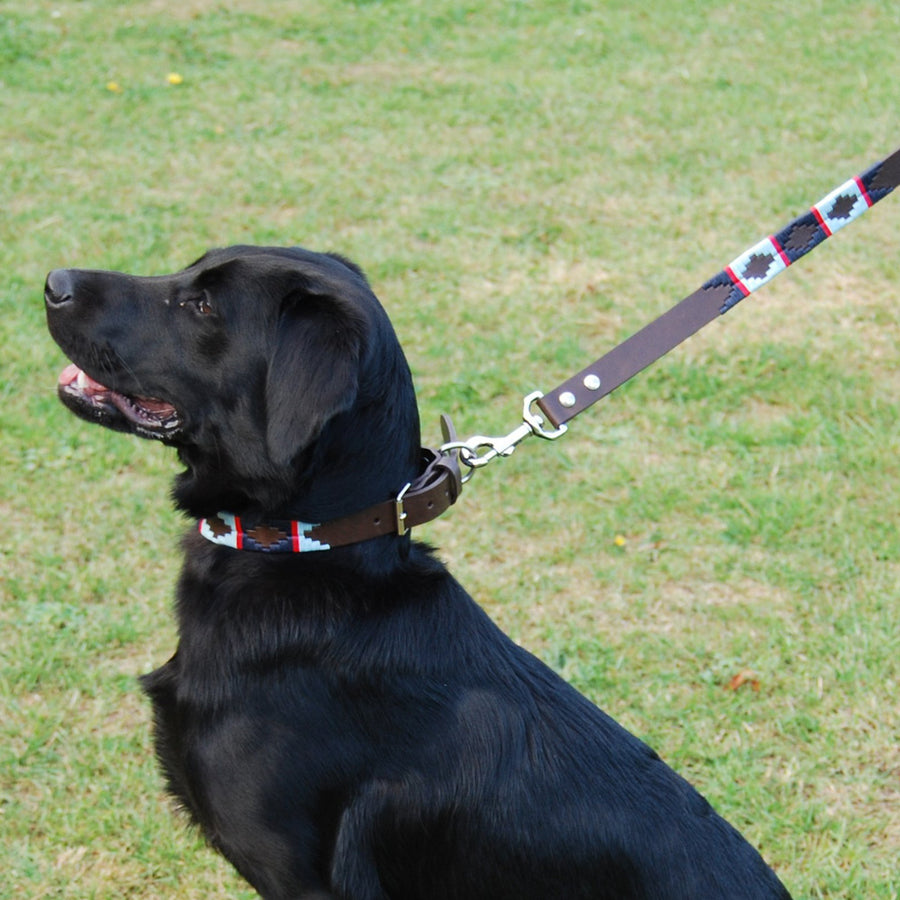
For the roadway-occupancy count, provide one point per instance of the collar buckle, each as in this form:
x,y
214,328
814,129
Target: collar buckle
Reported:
x,y
400,514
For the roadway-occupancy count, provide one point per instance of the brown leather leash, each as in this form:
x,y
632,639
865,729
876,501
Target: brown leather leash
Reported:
x,y
748,272
547,415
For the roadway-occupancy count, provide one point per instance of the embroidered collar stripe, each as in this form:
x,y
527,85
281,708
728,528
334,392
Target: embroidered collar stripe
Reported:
x,y
227,530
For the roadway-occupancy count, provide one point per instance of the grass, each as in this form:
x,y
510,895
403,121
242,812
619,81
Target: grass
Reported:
x,y
526,183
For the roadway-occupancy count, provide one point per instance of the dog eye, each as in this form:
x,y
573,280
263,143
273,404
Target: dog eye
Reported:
x,y
199,304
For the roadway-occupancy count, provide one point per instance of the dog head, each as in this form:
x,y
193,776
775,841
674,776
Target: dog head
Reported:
x,y
275,372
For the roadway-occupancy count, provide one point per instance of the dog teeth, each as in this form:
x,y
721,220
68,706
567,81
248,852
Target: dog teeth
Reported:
x,y
81,382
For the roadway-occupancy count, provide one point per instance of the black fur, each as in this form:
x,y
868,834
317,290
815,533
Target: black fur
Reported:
x,y
350,724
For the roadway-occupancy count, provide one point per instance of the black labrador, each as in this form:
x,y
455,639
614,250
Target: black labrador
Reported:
x,y
347,722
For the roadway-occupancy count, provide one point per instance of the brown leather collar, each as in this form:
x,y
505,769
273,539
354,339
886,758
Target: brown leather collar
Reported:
x,y
424,499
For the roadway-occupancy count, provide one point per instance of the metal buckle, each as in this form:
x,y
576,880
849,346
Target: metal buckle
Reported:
x,y
399,512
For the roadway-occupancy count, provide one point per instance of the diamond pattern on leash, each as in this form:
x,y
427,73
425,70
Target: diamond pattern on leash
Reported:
x,y
800,237
842,206
758,265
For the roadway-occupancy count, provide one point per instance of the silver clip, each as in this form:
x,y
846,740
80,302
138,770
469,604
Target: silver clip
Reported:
x,y
480,449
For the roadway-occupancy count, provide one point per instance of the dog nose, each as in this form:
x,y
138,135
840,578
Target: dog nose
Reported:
x,y
59,288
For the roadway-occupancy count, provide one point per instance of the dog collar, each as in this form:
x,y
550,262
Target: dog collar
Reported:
x,y
422,500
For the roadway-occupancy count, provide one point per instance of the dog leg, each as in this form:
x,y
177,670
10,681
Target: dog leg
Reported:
x,y
354,873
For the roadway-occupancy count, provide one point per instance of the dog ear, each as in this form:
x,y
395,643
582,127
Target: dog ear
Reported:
x,y
313,372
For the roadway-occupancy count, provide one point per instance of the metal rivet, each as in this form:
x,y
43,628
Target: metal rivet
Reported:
x,y
567,399
592,382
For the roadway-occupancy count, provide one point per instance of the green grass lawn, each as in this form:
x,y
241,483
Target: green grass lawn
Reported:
x,y
526,183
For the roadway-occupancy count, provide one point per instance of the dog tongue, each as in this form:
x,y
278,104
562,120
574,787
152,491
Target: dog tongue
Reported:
x,y
73,375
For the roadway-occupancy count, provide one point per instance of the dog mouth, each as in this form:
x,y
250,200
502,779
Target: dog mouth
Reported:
x,y
148,416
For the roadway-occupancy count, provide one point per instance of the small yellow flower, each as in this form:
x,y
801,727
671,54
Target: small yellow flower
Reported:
x,y
114,86
174,78
619,540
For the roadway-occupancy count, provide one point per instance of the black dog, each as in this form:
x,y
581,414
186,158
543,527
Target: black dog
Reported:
x,y
347,722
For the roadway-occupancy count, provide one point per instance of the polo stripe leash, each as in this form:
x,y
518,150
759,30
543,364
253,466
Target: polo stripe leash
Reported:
x,y
747,273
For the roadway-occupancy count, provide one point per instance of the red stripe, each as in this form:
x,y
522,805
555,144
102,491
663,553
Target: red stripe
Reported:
x,y
821,222
238,534
295,536
863,191
737,281
784,257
